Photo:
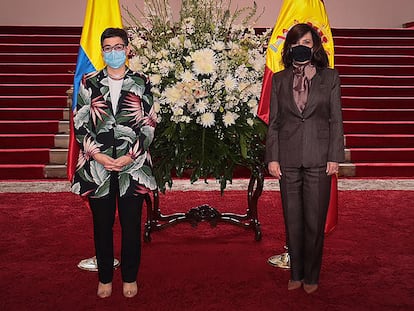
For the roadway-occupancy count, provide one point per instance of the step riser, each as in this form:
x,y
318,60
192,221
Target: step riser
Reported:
x,y
33,102
386,115
29,128
375,80
379,42
31,115
38,58
358,156
35,141
373,60
369,91
39,79
374,70
382,103
372,128
383,171
37,68
41,89
23,172
370,142
39,48
368,50
367,34
43,39
24,157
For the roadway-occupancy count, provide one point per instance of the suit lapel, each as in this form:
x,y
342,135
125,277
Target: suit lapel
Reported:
x,y
289,86
313,91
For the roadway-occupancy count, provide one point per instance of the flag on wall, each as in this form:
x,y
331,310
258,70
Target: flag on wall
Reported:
x,y
100,14
291,13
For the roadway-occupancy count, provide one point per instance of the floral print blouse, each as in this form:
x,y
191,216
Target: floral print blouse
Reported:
x,y
127,131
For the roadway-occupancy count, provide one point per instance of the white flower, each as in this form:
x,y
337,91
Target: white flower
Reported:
x,y
229,118
187,76
135,64
250,121
230,83
252,103
218,46
207,119
173,94
155,79
201,106
204,61
175,42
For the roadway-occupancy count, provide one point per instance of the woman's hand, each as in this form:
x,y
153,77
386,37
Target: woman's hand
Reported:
x,y
332,168
112,164
121,162
274,169
105,160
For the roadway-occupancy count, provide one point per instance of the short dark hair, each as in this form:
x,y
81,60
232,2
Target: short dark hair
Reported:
x,y
319,56
114,32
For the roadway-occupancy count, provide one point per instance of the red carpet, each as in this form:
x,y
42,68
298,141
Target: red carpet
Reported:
x,y
368,261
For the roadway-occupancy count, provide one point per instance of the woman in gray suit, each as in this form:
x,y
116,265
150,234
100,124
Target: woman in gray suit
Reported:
x,y
304,145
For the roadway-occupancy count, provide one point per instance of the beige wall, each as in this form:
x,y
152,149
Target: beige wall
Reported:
x,y
342,13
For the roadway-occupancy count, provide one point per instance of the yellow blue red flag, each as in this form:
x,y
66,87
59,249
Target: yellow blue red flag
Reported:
x,y
100,14
292,12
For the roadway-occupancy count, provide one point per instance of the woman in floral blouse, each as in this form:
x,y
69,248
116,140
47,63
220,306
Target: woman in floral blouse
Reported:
x,y
114,126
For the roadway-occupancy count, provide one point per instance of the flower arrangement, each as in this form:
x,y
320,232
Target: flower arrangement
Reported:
x,y
206,72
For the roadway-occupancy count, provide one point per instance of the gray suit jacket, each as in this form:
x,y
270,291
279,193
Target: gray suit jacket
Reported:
x,y
311,138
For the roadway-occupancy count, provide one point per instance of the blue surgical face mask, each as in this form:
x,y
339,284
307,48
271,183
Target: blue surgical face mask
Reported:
x,y
115,59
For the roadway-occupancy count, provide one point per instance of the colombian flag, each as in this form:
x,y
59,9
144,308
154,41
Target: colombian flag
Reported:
x,y
291,13
100,14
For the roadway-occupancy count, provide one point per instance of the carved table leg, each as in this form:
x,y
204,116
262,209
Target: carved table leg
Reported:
x,y
157,221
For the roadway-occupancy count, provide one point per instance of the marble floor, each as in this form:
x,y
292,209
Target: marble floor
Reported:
x,y
212,185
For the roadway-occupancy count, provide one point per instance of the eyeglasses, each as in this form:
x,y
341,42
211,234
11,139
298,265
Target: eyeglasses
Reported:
x,y
116,47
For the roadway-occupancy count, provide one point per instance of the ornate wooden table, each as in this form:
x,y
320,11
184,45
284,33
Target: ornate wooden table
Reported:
x,y
157,221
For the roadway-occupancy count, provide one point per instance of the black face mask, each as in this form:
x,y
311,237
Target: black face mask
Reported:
x,y
301,53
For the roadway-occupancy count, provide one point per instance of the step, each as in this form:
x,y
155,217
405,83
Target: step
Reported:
x,y
368,33
41,30
374,50
38,58
22,171
24,156
377,102
379,127
376,41
10,141
385,70
34,101
33,89
394,60
55,171
383,155
34,127
37,48
31,113
379,140
39,78
43,39
375,80
38,68
363,114
377,90
384,169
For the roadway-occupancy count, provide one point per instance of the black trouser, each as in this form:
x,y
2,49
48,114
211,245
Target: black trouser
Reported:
x,y
305,196
129,211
